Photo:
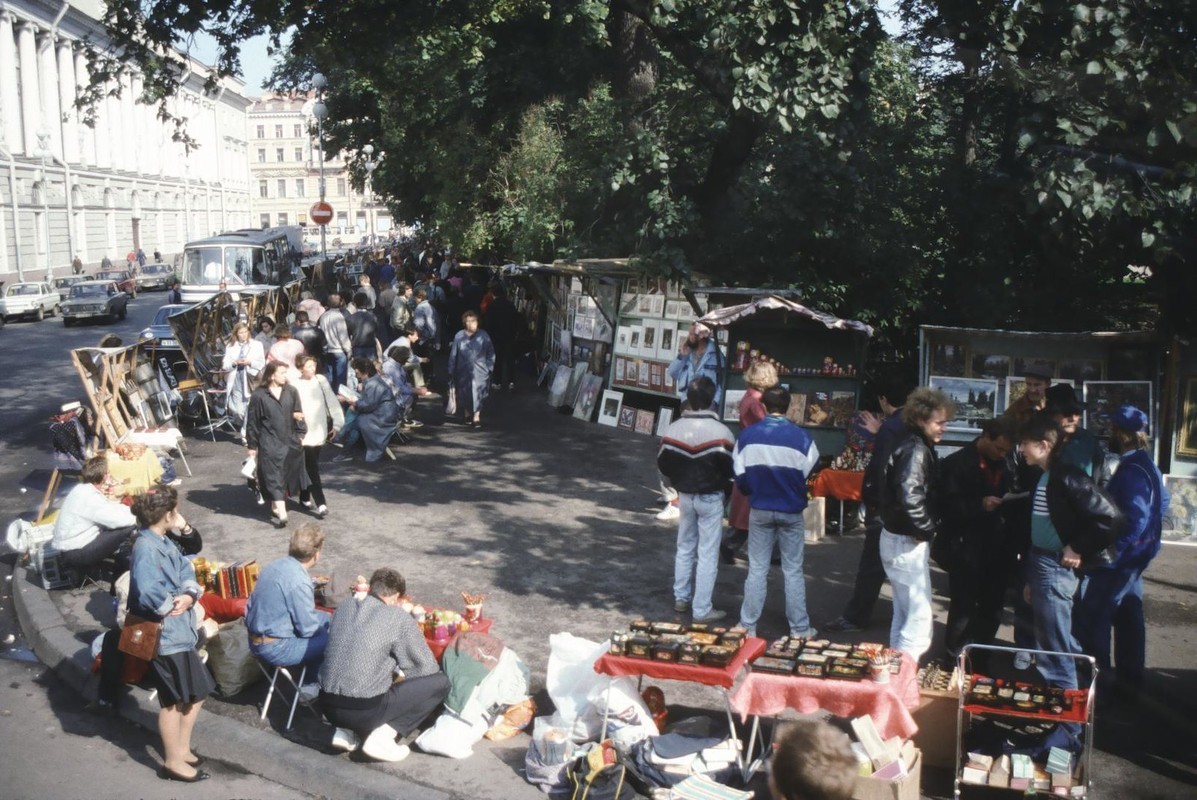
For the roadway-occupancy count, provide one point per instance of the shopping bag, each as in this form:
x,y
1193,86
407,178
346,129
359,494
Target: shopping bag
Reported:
x,y
451,403
139,637
597,775
249,468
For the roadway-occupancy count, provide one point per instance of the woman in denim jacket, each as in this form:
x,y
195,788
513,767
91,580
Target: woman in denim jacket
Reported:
x,y
163,587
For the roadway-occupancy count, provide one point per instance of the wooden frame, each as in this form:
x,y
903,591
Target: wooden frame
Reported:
x,y
609,408
1186,436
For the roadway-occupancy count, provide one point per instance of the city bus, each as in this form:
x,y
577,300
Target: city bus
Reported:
x,y
245,261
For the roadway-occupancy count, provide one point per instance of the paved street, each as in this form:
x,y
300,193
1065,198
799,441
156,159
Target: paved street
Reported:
x,y
546,514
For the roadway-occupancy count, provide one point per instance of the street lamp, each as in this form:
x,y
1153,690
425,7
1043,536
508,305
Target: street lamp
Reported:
x,y
371,165
320,111
43,151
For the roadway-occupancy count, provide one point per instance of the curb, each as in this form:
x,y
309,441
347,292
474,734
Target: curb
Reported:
x,y
258,752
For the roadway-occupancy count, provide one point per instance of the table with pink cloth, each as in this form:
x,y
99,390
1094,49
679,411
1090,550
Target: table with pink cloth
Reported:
x,y
762,694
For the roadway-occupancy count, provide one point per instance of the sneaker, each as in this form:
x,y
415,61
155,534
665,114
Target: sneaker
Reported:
x,y
681,606
335,443
714,616
322,511
414,423
389,452
175,482
342,458
809,633
670,511
308,693
345,740
310,505
380,745
843,625
1023,660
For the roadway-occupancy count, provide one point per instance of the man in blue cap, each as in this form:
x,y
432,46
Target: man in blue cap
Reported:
x,y
1112,597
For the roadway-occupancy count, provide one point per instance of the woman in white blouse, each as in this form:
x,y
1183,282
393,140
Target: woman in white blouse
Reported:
x,y
243,360
320,407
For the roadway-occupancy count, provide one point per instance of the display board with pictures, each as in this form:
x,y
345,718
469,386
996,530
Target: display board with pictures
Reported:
x,y
653,323
976,400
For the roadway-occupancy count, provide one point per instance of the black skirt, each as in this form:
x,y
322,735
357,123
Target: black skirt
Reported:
x,y
180,678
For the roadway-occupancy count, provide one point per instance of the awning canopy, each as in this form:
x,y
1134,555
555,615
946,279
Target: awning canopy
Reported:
x,y
722,317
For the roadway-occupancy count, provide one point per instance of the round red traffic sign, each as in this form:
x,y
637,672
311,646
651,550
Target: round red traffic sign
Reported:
x,y
321,213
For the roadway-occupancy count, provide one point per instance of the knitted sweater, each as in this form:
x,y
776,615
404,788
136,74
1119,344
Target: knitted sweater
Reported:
x,y
366,642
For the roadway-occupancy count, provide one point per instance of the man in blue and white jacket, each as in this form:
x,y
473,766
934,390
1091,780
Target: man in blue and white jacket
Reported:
x,y
695,456
772,460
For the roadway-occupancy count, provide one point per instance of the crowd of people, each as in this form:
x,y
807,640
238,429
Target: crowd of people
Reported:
x,y
1024,515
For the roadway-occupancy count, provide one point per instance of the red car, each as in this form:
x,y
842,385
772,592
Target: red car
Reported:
x,y
123,279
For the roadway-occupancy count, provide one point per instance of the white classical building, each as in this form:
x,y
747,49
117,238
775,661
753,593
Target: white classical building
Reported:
x,y
68,189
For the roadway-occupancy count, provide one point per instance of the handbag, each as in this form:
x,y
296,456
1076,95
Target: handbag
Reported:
x,y
597,775
139,637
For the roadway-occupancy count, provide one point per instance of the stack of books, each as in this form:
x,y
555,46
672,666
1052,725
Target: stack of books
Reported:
x,y
236,580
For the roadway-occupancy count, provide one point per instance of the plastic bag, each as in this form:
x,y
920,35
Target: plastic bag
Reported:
x,y
513,720
249,468
451,736
628,718
570,681
230,661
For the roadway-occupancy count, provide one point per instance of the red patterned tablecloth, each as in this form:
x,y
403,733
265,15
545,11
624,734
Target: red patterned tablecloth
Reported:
x,y
621,666
765,695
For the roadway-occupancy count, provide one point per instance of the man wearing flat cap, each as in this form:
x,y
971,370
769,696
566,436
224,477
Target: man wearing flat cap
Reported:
x,y
1111,597
1081,448
1037,378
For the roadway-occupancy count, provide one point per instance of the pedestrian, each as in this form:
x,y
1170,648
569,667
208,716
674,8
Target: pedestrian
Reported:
x,y
362,326
163,588
501,318
105,262
377,411
698,356
471,363
286,350
175,295
307,334
1111,595
337,344
157,256
272,433
1071,521
909,518
323,417
759,376
243,361
695,456
77,265
140,258
265,332
1080,447
772,461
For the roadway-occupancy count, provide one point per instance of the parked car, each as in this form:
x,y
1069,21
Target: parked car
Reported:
x,y
123,279
155,276
159,334
63,285
95,298
29,299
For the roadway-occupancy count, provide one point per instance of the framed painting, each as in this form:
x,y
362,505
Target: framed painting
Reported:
x,y
610,407
1180,523
1186,431
627,418
1016,387
986,366
975,398
818,409
648,339
587,397
631,302
620,370
644,305
1081,370
796,413
644,421
635,332
559,386
673,309
657,305
843,406
947,358
731,404
1021,365
1103,398
667,341
621,339
664,420
575,382
644,375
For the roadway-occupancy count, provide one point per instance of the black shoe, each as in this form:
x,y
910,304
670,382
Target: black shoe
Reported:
x,y
842,625
727,554
170,775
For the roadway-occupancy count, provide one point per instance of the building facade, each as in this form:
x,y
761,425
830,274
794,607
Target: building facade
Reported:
x,y
284,160
70,189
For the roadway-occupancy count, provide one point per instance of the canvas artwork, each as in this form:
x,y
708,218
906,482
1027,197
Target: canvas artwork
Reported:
x,y
657,306
796,413
643,374
620,370
1021,364
1016,387
975,398
636,331
947,359
644,305
656,377
1180,523
673,309
664,420
627,418
818,409
843,406
1103,398
997,367
631,302
1081,370
584,326
587,397
1186,430
621,339
575,382
648,339
667,342
610,407
559,386
644,421
731,404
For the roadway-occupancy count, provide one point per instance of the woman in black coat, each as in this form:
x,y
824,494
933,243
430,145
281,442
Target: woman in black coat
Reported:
x,y
273,431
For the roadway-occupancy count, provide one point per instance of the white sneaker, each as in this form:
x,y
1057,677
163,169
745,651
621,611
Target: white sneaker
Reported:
x,y
670,511
380,745
345,740
308,693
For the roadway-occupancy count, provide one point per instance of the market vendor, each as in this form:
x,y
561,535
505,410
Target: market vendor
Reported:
x,y
699,356
285,628
91,525
371,640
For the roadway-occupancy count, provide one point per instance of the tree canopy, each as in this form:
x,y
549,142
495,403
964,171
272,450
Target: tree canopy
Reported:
x,y
1001,164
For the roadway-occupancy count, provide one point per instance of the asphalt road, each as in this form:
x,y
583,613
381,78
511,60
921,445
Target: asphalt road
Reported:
x,y
550,516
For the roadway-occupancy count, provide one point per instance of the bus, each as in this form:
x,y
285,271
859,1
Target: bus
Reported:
x,y
246,260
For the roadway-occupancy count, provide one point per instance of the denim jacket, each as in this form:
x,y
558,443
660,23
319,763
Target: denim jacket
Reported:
x,y
160,573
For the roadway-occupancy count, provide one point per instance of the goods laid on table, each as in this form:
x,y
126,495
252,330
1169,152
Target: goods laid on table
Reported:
x,y
819,658
235,580
129,451
697,643
1058,775
746,354
1024,699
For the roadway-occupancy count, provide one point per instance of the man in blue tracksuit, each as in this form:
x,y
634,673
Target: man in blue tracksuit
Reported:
x,y
1112,597
771,460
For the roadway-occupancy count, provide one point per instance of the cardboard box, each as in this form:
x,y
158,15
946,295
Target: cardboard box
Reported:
x,y
907,788
936,736
814,519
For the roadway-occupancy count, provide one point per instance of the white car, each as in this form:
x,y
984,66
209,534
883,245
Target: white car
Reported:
x,y
29,299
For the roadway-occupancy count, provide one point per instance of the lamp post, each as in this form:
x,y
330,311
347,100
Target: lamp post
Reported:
x,y
43,151
370,165
320,111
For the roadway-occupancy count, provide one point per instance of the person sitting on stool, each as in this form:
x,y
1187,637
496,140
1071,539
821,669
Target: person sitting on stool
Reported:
x,y
285,627
91,526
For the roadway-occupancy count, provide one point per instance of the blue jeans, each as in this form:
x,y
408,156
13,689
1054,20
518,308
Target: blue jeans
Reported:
x,y
766,528
908,566
349,434
1113,599
293,652
699,530
1053,588
336,366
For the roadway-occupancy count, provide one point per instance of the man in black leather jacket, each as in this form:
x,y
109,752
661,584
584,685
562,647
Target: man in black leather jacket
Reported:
x,y
1072,522
909,516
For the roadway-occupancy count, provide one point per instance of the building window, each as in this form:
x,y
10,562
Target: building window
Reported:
x,y
298,132
261,155
282,219
278,131
264,220
299,189
278,154
299,154
341,186
261,131
282,187
263,190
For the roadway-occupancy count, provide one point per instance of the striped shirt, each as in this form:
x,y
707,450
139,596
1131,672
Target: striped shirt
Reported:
x,y
695,453
1043,533
772,460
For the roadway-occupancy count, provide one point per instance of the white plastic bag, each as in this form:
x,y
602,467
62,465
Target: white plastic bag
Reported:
x,y
628,717
249,468
452,736
570,679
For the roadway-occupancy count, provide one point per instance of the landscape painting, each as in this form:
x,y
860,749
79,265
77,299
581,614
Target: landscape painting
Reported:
x,y
975,398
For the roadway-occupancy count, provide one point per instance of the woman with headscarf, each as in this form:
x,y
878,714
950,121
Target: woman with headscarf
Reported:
x,y
243,360
377,411
471,363
274,426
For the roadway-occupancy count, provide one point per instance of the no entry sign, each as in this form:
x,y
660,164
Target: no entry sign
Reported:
x,y
321,213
